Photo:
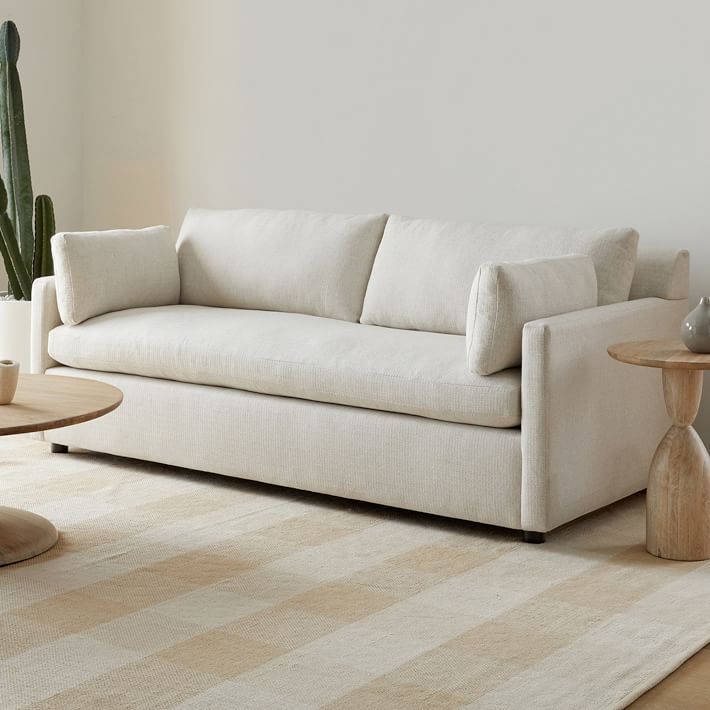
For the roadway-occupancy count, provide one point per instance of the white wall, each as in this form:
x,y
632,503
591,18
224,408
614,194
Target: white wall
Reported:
x,y
552,111
126,77
50,73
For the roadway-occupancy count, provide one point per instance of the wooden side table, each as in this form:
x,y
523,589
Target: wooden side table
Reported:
x,y
678,497
45,402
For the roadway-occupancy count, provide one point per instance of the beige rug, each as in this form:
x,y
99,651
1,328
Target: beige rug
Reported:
x,y
175,589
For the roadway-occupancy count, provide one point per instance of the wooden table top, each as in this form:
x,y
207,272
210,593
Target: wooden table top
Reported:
x,y
51,401
668,354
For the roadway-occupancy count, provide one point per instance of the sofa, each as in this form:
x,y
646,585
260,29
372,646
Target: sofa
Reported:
x,y
450,368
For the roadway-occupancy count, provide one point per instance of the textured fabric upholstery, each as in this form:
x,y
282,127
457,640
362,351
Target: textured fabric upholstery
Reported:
x,y
462,471
424,269
300,262
590,424
296,356
589,428
506,295
661,273
100,272
45,317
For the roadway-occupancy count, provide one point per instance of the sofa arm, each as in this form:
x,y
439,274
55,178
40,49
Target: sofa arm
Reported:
x,y
45,316
590,425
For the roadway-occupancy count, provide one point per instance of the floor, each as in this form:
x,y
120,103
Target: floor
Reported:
x,y
168,537
688,688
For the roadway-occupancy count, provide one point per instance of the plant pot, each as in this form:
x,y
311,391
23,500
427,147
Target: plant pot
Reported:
x,y
15,332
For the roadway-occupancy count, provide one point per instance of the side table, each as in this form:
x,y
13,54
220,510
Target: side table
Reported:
x,y
678,496
45,402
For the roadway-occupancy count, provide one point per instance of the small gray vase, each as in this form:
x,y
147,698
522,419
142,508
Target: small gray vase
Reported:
x,y
695,331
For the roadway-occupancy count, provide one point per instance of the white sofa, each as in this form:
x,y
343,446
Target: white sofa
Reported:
x,y
328,353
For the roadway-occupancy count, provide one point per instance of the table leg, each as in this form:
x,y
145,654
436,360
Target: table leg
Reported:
x,y
23,535
678,497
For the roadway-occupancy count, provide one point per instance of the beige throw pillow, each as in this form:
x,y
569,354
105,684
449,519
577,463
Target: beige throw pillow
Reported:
x,y
506,295
101,272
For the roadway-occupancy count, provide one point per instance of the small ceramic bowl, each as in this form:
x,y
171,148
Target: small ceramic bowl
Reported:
x,y
9,372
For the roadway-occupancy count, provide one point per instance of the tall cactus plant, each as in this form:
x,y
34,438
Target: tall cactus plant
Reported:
x,y
24,246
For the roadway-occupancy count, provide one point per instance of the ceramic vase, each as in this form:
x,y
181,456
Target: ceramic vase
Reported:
x,y
9,372
695,331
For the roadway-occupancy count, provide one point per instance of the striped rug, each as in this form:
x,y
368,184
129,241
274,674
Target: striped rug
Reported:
x,y
170,589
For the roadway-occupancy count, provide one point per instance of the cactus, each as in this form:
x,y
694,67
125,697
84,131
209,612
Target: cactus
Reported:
x,y
44,230
25,252
18,275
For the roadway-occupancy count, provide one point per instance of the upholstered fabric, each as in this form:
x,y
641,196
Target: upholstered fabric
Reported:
x,y
661,273
45,317
424,269
457,470
300,262
296,356
100,272
506,295
590,424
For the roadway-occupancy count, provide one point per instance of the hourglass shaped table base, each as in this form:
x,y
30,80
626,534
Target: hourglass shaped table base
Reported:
x,y
678,496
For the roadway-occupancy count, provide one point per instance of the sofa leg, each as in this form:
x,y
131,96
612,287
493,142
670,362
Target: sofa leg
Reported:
x,y
59,449
535,538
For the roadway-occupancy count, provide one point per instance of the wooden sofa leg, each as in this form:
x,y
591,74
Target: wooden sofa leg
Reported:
x,y
59,449
535,538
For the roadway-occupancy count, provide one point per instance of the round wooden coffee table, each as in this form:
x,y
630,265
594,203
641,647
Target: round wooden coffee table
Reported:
x,y
678,496
45,402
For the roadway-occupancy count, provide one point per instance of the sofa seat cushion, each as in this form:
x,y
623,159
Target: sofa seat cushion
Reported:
x,y
295,355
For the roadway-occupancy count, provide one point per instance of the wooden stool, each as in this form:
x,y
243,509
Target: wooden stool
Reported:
x,y
678,496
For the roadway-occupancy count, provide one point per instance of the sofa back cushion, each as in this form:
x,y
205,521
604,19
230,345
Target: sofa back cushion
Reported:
x,y
101,272
273,260
424,269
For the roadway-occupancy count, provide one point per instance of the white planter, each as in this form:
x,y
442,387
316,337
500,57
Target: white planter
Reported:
x,y
15,332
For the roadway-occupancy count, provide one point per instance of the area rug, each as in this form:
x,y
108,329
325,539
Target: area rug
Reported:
x,y
171,588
